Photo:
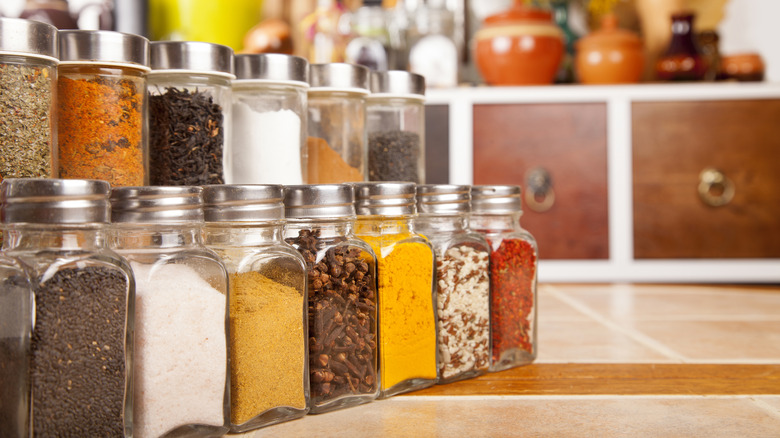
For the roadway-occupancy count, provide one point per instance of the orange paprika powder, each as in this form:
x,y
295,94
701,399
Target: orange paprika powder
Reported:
x,y
101,125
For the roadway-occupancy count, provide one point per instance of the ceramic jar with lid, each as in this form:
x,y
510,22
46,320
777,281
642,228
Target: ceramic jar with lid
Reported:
x,y
521,46
609,55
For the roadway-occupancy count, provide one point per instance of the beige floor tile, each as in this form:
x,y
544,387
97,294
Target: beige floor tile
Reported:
x,y
551,308
538,416
637,302
589,341
717,340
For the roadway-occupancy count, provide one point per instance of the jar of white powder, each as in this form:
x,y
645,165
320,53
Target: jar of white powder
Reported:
x,y
269,375
181,352
269,120
462,282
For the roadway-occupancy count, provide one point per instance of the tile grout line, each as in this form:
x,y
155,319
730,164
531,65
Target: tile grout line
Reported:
x,y
636,336
766,407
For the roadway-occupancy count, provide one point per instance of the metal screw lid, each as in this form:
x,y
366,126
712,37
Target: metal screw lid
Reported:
x,y
157,204
103,46
397,83
496,199
243,203
339,77
191,55
272,67
385,198
28,37
443,199
54,201
319,201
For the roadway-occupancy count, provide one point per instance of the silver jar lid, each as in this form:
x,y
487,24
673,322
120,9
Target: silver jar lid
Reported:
x,y
496,199
319,201
28,37
191,56
272,67
242,203
339,77
54,201
385,198
156,204
443,199
103,46
397,83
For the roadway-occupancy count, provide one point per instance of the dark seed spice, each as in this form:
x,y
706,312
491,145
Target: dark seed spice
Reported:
x,y
78,354
25,121
186,138
393,156
342,320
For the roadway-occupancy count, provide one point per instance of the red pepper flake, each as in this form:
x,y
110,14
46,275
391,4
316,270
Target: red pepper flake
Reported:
x,y
512,281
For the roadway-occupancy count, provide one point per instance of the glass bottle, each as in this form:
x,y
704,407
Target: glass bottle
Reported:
x,y
16,321
28,78
433,53
395,121
405,274
180,309
189,112
101,107
496,212
682,60
565,72
82,337
370,42
342,295
462,282
322,31
269,120
269,375
337,113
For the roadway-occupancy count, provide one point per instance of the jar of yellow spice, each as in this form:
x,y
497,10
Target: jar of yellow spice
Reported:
x,y
269,376
405,273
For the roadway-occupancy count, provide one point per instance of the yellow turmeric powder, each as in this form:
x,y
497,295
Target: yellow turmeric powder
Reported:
x,y
407,323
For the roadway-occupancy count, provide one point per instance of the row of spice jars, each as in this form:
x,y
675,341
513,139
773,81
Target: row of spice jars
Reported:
x,y
133,113
174,292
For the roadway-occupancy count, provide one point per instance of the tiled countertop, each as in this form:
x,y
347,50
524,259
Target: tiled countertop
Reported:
x,y
614,360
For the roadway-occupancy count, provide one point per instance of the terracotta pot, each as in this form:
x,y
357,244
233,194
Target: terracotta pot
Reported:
x,y
610,55
521,46
744,67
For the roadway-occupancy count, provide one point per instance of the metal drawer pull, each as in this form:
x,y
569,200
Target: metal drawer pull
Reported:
x,y
539,193
715,189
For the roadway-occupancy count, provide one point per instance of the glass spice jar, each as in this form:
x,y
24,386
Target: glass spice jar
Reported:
x,y
395,122
462,281
189,112
405,274
269,375
16,321
28,80
336,123
101,107
269,120
342,296
180,312
82,337
496,212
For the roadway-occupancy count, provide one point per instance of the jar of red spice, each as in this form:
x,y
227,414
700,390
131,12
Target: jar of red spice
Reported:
x,y
101,106
496,212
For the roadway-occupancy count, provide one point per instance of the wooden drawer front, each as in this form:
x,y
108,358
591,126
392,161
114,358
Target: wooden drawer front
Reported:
x,y
569,141
672,143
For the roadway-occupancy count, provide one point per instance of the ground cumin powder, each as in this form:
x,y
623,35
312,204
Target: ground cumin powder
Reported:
x,y
326,166
267,346
407,324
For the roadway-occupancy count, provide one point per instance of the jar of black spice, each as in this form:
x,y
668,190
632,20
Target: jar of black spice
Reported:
x,y
342,302
395,122
28,81
462,282
514,256
181,348
269,375
101,107
82,337
189,112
